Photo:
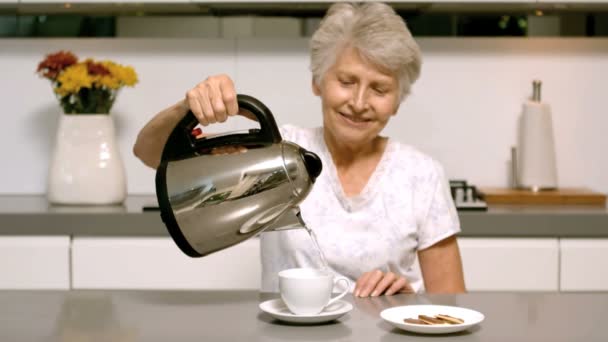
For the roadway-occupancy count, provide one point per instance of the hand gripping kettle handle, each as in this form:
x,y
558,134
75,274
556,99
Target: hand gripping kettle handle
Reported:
x,y
183,144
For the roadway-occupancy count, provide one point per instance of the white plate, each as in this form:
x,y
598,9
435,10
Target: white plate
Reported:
x,y
277,309
396,316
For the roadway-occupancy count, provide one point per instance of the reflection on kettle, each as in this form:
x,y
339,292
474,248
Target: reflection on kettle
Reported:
x,y
210,202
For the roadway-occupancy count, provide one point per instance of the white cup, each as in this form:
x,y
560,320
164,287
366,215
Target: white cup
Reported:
x,y
307,291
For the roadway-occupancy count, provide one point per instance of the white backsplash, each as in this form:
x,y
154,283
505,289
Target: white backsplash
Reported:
x,y
463,110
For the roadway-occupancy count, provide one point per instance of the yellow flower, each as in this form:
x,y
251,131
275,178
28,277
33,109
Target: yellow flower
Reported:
x,y
72,79
128,76
108,81
123,75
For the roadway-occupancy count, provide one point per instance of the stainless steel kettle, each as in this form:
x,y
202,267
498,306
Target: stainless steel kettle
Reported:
x,y
210,202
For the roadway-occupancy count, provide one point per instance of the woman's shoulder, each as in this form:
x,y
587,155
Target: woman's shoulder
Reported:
x,y
409,158
419,171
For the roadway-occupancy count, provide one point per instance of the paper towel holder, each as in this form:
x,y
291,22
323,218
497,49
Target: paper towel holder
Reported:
x,y
533,161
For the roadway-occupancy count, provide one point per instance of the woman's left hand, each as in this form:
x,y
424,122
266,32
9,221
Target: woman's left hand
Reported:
x,y
376,283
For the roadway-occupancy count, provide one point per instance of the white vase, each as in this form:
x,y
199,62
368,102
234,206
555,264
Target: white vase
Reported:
x,y
86,167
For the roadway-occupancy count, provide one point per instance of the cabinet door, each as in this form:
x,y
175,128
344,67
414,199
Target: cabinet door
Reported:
x,y
35,262
510,264
101,1
157,263
584,265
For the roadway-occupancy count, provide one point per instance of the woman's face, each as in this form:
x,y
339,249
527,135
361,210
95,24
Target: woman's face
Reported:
x,y
358,98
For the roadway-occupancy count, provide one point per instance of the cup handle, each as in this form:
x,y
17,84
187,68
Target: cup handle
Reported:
x,y
346,289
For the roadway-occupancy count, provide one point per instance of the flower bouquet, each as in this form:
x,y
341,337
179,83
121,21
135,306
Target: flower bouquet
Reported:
x,y
85,87
86,167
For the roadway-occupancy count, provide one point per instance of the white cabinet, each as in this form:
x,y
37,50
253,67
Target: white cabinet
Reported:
x,y
9,5
584,265
157,263
100,1
275,1
573,1
510,264
34,262
387,1
490,264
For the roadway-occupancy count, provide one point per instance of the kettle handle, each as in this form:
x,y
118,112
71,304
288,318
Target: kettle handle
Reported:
x,y
181,142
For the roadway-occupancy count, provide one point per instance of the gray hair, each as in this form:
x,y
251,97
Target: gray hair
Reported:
x,y
378,33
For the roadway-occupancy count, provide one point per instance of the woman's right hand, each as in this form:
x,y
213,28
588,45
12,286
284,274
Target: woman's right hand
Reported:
x,y
376,283
213,100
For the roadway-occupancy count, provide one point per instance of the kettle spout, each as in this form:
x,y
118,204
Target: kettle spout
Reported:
x,y
290,219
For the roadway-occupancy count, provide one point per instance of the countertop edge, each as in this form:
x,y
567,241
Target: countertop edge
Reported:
x,y
32,215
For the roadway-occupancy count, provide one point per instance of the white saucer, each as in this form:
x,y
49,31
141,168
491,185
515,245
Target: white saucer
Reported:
x,y
277,309
396,315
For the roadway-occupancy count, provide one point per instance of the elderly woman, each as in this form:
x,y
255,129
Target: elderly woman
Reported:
x,y
380,208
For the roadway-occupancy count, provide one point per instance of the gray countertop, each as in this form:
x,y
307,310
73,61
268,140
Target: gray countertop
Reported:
x,y
183,316
33,215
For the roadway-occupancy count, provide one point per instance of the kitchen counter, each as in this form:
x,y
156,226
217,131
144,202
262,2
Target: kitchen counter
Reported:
x,y
33,215
234,316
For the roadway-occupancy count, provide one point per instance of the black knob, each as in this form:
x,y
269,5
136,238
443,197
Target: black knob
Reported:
x,y
313,164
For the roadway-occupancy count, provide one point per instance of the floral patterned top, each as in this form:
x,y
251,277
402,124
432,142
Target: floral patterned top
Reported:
x,y
406,206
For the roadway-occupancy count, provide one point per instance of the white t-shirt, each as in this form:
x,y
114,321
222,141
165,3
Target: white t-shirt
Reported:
x,y
406,206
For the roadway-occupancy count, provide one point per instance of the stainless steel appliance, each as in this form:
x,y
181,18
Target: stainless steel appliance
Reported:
x,y
466,196
211,201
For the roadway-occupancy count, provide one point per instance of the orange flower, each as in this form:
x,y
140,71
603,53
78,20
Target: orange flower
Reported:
x,y
54,63
95,68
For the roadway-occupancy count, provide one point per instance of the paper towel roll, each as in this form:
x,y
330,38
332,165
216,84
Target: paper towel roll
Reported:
x,y
537,165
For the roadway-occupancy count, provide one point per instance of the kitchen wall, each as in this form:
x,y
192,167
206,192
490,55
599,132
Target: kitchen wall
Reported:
x,y
463,110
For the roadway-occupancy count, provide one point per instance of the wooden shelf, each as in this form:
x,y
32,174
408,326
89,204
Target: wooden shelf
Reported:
x,y
565,196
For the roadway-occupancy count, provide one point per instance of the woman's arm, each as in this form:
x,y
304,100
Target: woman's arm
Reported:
x,y
153,136
442,267
211,101
441,270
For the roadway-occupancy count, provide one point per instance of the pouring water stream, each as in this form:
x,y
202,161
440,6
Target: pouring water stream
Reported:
x,y
315,243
